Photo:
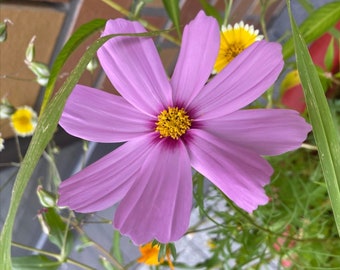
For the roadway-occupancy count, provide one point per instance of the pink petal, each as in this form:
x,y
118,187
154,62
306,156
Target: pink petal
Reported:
x,y
106,181
246,78
98,116
133,66
240,173
200,44
158,205
265,131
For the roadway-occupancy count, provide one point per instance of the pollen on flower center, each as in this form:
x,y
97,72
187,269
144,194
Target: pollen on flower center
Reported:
x,y
173,122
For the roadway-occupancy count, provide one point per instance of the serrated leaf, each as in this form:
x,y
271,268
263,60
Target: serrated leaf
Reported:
x,y
34,262
74,41
324,131
316,24
172,8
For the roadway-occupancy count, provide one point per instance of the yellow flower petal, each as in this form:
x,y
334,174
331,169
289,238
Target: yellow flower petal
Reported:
x,y
234,40
149,254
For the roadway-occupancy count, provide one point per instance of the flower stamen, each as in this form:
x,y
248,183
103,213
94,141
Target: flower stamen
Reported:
x,y
173,122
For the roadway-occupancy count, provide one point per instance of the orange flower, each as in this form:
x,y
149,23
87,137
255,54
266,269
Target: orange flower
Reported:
x,y
150,253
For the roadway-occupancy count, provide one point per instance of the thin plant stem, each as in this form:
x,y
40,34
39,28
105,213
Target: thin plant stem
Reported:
x,y
108,256
309,147
227,11
50,254
264,6
145,23
10,164
4,76
17,144
268,231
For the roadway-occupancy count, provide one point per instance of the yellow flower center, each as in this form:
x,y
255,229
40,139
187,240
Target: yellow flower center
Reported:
x,y
234,40
173,123
24,121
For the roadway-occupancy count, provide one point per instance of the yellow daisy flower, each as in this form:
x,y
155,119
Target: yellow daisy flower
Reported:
x,y
234,39
149,255
24,121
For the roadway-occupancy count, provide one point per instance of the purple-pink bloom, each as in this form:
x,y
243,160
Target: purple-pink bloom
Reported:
x,y
170,126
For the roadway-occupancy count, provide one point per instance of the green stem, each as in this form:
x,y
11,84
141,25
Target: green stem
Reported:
x,y
102,250
268,231
264,6
145,23
227,11
116,250
33,249
17,144
50,254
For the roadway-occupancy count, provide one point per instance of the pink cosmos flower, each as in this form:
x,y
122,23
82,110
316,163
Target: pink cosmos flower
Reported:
x,y
170,126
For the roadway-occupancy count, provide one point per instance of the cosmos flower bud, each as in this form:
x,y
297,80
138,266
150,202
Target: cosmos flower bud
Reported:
x,y
6,109
1,143
30,50
40,70
46,198
3,29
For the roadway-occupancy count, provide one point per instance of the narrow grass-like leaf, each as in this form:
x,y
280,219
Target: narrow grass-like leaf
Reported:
x,y
35,262
44,132
211,11
116,249
316,24
172,8
74,41
328,61
307,5
59,233
324,130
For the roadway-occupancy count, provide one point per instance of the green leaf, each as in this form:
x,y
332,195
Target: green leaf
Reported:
x,y
211,11
172,8
329,57
116,250
34,262
324,130
59,233
307,5
75,40
199,191
316,24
